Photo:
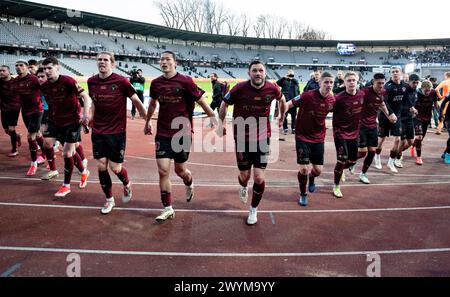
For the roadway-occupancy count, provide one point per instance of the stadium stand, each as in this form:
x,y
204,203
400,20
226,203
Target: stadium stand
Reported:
x,y
25,33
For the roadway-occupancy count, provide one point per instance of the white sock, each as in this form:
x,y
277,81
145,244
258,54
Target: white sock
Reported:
x,y
110,199
66,185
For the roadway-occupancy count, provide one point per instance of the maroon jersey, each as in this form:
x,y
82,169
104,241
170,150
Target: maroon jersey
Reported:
x,y
424,105
62,99
371,105
28,89
176,97
9,100
347,115
251,103
311,117
109,97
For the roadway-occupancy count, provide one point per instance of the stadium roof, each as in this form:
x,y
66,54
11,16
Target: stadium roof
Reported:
x,y
63,15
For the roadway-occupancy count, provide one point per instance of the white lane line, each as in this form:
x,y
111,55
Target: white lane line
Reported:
x,y
186,254
356,210
236,185
293,170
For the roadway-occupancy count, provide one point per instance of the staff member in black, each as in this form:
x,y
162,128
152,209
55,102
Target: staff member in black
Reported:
x,y
138,82
290,89
218,92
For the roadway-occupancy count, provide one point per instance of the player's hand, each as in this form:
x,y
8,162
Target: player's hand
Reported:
x,y
280,121
213,122
148,129
221,130
393,118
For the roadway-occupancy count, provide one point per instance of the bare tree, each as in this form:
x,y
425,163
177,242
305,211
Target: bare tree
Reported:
x,y
197,20
220,16
233,24
245,24
260,26
209,8
165,11
210,16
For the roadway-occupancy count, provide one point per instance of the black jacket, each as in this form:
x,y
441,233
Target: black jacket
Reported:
x,y
336,88
217,91
289,87
311,85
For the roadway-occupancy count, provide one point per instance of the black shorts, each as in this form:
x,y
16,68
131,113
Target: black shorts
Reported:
x,y
368,137
33,121
407,129
346,149
421,127
69,134
254,154
386,128
44,120
10,118
179,151
109,146
308,152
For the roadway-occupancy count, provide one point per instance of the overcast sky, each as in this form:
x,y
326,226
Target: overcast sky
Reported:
x,y
343,19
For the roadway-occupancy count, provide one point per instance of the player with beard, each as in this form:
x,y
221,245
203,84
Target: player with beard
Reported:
x,y
252,100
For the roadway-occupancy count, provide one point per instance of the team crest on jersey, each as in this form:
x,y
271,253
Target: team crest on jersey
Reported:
x,y
114,87
177,91
268,98
403,89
